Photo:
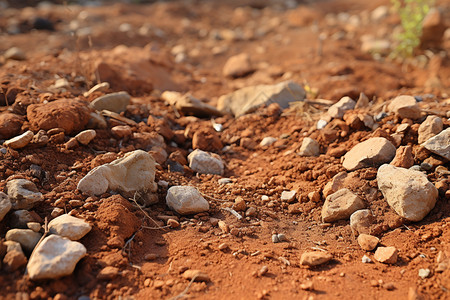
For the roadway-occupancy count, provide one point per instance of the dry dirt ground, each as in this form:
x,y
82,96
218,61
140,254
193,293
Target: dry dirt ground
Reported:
x,y
183,45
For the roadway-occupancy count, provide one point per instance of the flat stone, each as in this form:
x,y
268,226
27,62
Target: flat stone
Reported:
x,y
370,153
121,131
440,144
14,53
361,220
315,258
55,257
23,194
69,227
10,125
337,110
186,200
131,175
386,255
238,66
115,102
5,205
429,128
340,206
248,99
408,192
205,162
406,107
20,141
190,105
27,238
86,136
288,195
403,157
309,147
368,242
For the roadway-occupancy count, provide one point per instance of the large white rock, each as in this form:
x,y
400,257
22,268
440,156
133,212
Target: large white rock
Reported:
x,y
5,205
406,107
205,162
27,238
186,200
55,257
440,144
338,109
341,205
23,193
408,192
370,153
309,147
132,174
69,227
248,99
429,128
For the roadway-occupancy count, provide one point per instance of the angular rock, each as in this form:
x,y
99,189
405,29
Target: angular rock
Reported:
x,y
309,147
205,162
368,242
27,238
430,127
315,258
186,200
288,195
86,136
248,99
403,157
341,205
361,220
336,183
370,153
337,110
131,175
206,139
238,66
70,115
386,255
190,105
23,193
69,227
5,205
20,141
406,107
440,144
115,102
407,191
267,141
10,125
14,260
55,257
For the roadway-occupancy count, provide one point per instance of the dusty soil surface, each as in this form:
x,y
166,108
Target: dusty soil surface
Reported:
x,y
183,45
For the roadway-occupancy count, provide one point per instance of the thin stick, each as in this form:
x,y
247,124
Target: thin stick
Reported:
x,y
183,293
146,214
233,212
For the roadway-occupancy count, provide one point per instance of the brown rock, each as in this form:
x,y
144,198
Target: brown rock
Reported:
x,y
368,242
238,66
405,107
108,273
121,131
207,140
387,255
10,125
239,204
70,115
13,260
340,205
403,157
315,258
197,275
429,128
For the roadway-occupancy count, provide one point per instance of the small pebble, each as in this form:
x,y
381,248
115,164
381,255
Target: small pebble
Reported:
x,y
389,286
282,237
366,260
275,238
150,256
225,181
424,273
223,246
173,223
263,271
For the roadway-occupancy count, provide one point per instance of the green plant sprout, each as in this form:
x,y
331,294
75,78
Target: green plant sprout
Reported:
x,y
412,13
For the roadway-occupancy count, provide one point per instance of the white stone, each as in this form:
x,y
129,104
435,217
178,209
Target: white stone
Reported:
x,y
287,195
5,205
338,109
430,127
69,227
406,107
20,141
424,273
86,136
407,191
205,162
365,259
133,174
27,238
55,257
23,193
370,153
309,147
267,141
186,200
341,205
361,220
440,144
115,102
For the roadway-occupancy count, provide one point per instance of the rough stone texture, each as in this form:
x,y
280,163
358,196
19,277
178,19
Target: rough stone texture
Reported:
x,y
361,220
315,258
407,191
186,200
341,205
108,273
23,193
309,147
135,172
190,105
440,144
430,127
403,157
20,141
14,260
206,139
5,205
86,136
238,66
55,257
69,227
336,183
27,238
205,163
338,109
10,125
71,115
115,102
370,153
288,195
368,242
248,99
121,131
387,255
406,107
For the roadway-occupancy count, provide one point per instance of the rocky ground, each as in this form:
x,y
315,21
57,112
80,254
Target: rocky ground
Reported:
x,y
223,149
